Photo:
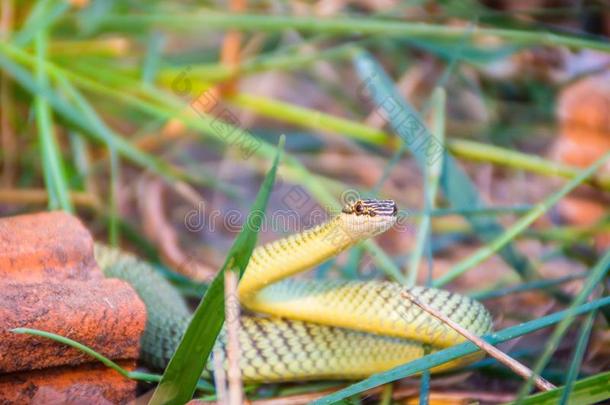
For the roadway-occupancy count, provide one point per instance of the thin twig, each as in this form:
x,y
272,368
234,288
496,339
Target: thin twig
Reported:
x,y
232,313
497,354
41,196
220,377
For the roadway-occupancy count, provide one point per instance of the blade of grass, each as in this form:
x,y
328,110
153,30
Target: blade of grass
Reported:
x,y
532,285
424,384
432,175
535,164
342,26
50,189
150,67
184,369
87,19
43,14
587,391
134,375
517,367
278,60
384,262
581,344
310,119
596,275
113,212
55,176
386,395
354,259
493,211
455,183
457,351
521,225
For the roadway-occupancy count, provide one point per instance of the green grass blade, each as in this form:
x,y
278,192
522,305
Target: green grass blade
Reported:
x,y
67,341
528,286
152,60
134,375
587,391
54,173
184,369
455,183
384,262
303,116
43,14
88,18
276,60
432,175
492,211
113,212
477,151
581,344
341,26
457,351
424,384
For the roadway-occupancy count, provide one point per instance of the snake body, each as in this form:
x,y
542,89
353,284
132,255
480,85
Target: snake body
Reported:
x,y
334,329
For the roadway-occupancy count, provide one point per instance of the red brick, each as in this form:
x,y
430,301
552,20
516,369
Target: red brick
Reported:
x,y
46,246
86,384
106,315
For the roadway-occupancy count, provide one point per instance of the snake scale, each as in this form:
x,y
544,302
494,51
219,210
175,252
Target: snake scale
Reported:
x,y
309,329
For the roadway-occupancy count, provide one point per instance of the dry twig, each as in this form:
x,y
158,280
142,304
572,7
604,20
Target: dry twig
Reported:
x,y
497,354
41,196
232,313
220,377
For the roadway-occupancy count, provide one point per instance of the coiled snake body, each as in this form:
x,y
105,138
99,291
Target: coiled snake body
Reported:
x,y
311,329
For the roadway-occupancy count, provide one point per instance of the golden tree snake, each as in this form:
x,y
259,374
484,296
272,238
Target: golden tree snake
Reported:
x,y
310,329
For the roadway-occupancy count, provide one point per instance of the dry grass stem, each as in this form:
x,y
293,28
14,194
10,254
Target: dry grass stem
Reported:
x,y
220,377
497,354
40,196
232,313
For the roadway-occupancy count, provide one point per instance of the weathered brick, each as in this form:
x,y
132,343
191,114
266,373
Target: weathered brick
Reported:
x,y
106,315
86,384
48,246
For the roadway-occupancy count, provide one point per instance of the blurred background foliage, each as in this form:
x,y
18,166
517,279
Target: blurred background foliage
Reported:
x,y
155,121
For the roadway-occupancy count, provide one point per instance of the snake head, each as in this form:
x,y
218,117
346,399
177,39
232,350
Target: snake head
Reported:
x,y
369,217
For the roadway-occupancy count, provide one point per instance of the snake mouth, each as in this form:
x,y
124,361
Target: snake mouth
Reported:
x,y
372,208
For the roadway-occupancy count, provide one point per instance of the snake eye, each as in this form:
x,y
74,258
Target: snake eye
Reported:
x,y
359,208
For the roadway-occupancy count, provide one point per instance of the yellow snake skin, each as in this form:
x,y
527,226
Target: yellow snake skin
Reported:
x,y
332,329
